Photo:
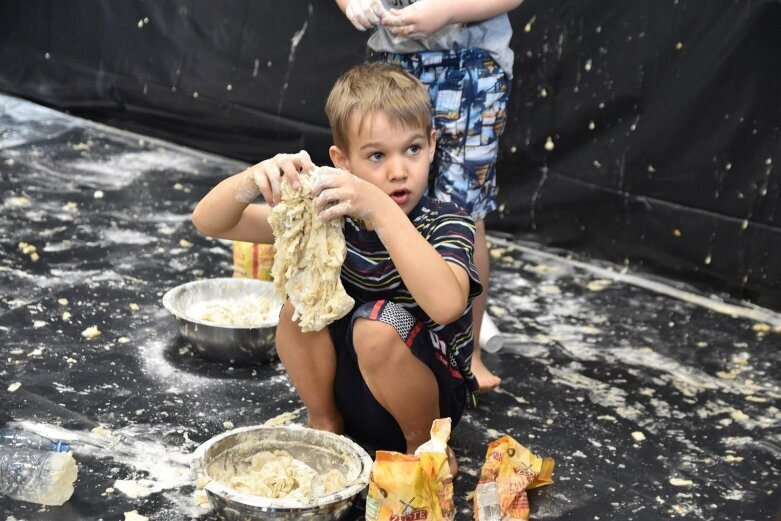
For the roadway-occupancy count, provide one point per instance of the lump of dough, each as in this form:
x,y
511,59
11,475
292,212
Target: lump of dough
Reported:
x,y
277,474
308,259
334,480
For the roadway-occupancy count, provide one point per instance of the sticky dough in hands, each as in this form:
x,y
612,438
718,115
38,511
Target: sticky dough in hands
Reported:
x,y
308,258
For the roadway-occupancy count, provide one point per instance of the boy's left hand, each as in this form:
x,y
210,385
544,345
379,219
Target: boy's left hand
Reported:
x,y
418,20
339,193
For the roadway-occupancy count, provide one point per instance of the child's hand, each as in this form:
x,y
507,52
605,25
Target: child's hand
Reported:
x,y
339,193
417,20
266,176
365,14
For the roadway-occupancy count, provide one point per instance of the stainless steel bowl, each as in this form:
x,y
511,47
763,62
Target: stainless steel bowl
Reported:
x,y
323,451
224,342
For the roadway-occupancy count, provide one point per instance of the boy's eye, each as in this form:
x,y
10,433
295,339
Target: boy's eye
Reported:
x,y
376,156
414,149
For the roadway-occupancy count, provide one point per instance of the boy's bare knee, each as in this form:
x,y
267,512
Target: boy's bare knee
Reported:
x,y
373,341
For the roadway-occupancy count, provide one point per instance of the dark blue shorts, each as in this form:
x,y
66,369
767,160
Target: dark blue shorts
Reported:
x,y
365,420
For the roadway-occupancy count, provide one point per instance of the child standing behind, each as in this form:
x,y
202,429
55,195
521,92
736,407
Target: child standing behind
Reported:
x,y
459,49
402,357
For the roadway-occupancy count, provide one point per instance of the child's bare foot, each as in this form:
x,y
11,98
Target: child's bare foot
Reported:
x,y
487,380
452,462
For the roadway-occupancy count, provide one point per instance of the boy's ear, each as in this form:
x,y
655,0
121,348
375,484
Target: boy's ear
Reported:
x,y
339,158
432,145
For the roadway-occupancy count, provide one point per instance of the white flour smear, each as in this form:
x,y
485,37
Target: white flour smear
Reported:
x,y
35,285
156,364
599,393
157,466
126,236
29,122
120,170
744,310
582,343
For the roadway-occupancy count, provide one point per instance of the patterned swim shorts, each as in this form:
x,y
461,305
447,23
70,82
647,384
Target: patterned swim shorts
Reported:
x,y
469,94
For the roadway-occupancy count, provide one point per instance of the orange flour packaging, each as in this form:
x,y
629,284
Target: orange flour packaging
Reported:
x,y
413,488
252,261
510,469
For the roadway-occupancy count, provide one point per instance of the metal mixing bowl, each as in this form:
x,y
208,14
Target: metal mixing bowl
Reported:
x,y
224,343
323,451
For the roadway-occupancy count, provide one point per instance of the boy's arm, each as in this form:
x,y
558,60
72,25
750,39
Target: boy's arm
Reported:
x,y
439,287
222,214
429,16
226,212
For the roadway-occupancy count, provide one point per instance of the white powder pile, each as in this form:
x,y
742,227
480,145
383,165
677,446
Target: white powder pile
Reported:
x,y
247,312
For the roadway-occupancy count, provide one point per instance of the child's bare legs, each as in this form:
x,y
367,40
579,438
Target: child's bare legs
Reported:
x,y
485,377
397,379
310,362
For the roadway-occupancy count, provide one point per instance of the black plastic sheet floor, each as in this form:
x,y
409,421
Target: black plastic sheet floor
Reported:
x,y
656,402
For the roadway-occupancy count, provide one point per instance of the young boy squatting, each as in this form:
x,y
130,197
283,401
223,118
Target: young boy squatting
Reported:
x,y
401,358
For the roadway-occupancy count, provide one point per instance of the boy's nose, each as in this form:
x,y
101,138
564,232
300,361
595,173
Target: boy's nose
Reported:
x,y
396,169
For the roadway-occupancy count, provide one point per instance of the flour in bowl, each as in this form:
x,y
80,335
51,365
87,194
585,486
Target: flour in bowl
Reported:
x,y
277,474
247,312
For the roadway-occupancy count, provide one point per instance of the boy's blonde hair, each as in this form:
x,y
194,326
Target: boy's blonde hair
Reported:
x,y
377,87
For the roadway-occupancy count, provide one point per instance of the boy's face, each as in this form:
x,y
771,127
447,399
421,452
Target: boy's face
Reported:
x,y
389,155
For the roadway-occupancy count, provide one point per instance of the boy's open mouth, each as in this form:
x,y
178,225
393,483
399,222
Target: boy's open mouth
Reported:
x,y
400,196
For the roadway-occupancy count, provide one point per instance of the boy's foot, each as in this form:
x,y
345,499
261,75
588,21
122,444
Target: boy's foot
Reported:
x,y
452,462
487,380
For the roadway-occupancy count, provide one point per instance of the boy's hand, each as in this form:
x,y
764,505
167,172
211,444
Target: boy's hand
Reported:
x,y
266,176
365,14
339,193
417,20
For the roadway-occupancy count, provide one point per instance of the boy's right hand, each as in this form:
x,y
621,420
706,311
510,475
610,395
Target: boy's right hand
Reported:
x,y
365,14
267,175
339,193
416,21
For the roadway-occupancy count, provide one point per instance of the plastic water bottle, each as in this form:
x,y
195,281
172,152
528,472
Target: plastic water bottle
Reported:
x,y
18,438
491,339
37,476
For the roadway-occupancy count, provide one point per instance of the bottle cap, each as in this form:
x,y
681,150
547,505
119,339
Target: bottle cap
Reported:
x,y
61,446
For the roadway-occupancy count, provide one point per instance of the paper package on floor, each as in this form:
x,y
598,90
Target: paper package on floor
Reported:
x,y
510,469
252,260
404,487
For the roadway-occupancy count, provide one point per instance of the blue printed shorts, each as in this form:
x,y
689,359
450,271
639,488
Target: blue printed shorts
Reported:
x,y
469,94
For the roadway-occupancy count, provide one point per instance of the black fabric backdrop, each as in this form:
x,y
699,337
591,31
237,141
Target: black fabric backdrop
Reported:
x,y
663,115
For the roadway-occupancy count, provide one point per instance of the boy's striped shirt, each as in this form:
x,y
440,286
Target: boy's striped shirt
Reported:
x,y
369,274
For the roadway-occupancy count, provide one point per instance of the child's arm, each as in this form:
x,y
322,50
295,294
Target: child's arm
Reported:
x,y
439,287
426,17
364,14
226,212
